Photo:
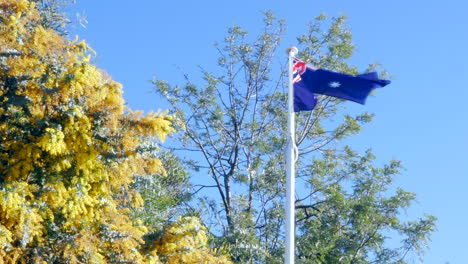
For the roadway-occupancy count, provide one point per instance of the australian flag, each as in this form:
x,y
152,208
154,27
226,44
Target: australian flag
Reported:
x,y
309,81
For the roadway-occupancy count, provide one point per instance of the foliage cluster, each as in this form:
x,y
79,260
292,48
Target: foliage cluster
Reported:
x,y
82,179
69,155
234,120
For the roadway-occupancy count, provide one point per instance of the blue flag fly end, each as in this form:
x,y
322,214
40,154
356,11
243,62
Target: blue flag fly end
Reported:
x,y
310,81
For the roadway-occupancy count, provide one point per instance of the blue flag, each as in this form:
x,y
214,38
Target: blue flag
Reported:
x,y
308,82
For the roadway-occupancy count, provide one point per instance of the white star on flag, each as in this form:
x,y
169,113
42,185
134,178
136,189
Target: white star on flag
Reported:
x,y
334,84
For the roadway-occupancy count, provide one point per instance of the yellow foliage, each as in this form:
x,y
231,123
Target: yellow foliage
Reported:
x,y
69,151
52,142
186,242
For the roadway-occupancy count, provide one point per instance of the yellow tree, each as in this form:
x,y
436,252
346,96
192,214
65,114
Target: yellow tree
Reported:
x,y
185,242
69,151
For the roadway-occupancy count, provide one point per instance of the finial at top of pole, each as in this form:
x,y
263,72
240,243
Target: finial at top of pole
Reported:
x,y
292,51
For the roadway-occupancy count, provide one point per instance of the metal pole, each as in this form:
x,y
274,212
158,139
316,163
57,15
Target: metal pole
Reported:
x,y
290,167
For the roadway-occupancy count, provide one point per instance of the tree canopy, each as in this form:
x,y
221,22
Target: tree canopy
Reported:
x,y
235,122
83,178
70,153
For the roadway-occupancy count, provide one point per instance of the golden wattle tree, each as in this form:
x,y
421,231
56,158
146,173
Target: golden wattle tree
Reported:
x,y
69,152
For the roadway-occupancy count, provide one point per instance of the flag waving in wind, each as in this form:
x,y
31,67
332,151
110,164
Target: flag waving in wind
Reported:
x,y
310,81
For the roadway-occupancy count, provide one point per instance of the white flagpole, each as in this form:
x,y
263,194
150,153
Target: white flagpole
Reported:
x,y
290,167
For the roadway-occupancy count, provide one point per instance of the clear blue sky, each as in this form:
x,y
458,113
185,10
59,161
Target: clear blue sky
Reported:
x,y
421,118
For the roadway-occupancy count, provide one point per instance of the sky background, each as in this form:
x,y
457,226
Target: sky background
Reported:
x,y
420,118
